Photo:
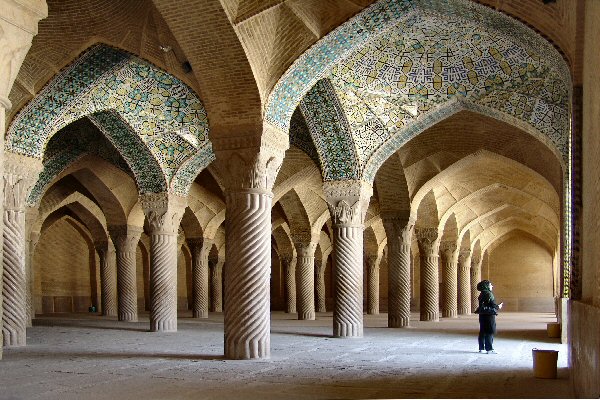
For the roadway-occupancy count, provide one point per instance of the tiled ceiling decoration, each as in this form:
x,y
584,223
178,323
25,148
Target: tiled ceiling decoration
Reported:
x,y
423,60
164,113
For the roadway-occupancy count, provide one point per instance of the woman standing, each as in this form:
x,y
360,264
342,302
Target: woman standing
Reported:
x,y
487,310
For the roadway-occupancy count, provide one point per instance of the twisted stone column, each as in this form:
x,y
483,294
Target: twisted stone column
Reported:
x,y
464,281
475,273
108,280
449,254
216,286
34,237
399,230
164,212
372,284
429,256
305,276
125,239
321,301
20,174
289,268
348,202
250,165
18,26
200,248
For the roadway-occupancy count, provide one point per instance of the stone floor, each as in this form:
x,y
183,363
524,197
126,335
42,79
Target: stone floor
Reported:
x,y
90,357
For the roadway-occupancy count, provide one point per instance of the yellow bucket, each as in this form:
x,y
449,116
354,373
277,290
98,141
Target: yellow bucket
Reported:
x,y
544,363
553,330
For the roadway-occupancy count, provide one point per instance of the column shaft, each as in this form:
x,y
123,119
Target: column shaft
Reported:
x,y
216,285
372,285
321,303
247,288
108,282
200,276
464,282
126,240
289,267
475,274
429,256
163,282
449,279
13,290
305,280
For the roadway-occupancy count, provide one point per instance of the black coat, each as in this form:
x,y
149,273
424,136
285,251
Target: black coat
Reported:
x,y
487,310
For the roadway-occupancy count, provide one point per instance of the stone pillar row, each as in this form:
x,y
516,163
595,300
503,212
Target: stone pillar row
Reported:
x,y
200,248
321,301
428,240
464,281
216,285
289,269
475,279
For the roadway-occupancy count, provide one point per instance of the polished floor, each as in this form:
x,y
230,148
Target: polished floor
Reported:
x,y
90,357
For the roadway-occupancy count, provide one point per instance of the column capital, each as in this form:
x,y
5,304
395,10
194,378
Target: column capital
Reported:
x,y
163,211
399,225
251,162
448,248
372,262
125,236
347,201
101,246
475,260
428,239
20,174
200,244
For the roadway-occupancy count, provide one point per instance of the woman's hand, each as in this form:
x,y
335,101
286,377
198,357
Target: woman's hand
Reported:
x,y
500,305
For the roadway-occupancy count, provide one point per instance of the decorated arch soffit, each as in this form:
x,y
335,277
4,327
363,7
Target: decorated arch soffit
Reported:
x,y
403,65
122,94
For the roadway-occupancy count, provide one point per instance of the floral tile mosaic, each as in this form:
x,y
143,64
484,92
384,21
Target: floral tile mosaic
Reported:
x,y
164,113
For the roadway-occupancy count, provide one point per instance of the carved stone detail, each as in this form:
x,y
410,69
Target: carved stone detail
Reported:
x,y
475,275
347,201
428,240
449,254
399,230
372,284
163,211
200,248
320,301
464,281
216,286
305,277
247,287
289,268
125,239
108,280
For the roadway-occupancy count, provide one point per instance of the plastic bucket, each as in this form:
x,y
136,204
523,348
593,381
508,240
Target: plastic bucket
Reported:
x,y
544,363
553,330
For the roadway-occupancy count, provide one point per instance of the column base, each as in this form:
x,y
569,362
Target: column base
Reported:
x,y
256,349
128,317
291,311
14,340
464,311
449,313
398,322
200,314
430,316
373,311
306,316
163,326
347,331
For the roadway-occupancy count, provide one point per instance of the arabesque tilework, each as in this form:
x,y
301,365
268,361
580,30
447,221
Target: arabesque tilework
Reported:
x,y
300,136
415,57
164,113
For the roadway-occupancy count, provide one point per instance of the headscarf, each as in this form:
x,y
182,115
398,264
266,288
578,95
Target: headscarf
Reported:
x,y
486,295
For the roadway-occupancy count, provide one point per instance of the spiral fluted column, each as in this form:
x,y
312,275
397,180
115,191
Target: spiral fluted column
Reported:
x,y
164,212
372,284
320,301
429,256
399,230
348,202
464,281
125,239
289,268
20,173
449,255
108,280
475,275
247,289
251,162
305,276
200,248
31,244
216,286
18,26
